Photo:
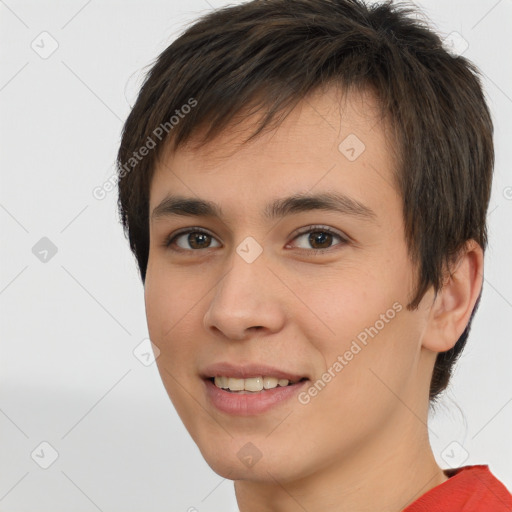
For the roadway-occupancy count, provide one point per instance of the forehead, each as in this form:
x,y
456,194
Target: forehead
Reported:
x,y
330,141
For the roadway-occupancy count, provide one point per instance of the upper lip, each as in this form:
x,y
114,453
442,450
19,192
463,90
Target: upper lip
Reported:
x,y
245,371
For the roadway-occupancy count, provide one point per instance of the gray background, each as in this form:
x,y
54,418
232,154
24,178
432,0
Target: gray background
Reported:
x,y
70,323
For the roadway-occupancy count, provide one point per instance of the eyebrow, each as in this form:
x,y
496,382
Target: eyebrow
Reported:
x,y
175,205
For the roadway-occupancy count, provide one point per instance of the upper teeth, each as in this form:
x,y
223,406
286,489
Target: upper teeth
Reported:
x,y
251,384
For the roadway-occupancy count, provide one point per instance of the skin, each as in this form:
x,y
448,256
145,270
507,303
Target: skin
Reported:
x,y
362,442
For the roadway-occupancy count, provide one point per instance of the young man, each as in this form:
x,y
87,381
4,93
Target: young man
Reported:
x,y
305,186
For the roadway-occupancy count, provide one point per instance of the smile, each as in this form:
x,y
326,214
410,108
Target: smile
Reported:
x,y
245,389
251,385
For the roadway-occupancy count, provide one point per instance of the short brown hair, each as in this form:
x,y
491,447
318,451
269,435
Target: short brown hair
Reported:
x,y
270,54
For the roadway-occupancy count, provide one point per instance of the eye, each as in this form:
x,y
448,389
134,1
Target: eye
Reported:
x,y
196,239
320,238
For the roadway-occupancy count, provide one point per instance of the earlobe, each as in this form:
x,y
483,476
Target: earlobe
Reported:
x,y
454,303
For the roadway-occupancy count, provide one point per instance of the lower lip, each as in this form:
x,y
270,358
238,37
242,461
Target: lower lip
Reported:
x,y
247,404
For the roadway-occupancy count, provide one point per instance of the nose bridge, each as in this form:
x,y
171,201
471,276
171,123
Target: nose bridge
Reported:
x,y
244,297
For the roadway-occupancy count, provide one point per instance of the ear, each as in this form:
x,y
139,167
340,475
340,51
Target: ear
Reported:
x,y
454,303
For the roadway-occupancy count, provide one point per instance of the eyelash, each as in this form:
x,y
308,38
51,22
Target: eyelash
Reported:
x,y
309,229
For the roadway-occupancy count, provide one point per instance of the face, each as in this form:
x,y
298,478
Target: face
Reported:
x,y
261,288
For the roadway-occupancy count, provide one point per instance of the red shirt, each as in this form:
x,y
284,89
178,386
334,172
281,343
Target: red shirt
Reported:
x,y
468,489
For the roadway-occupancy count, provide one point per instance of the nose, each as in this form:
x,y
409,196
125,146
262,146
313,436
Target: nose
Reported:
x,y
246,300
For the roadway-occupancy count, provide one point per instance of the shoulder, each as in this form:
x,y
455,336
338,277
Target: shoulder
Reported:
x,y
468,488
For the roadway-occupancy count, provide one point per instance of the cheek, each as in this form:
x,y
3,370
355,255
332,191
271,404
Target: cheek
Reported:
x,y
362,318
170,298
169,305
358,388
341,302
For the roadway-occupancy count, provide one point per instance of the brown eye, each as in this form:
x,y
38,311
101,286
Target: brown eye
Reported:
x,y
191,240
198,240
322,238
319,239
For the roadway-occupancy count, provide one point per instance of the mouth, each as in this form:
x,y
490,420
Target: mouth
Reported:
x,y
250,389
252,384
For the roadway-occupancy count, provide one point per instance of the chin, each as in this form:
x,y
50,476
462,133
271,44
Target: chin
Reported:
x,y
242,459
259,472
